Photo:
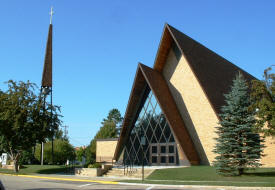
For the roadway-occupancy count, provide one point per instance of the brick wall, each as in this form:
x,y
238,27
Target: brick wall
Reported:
x,y
197,112
105,150
194,107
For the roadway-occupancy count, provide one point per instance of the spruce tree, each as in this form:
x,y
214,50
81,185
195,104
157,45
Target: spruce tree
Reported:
x,y
238,146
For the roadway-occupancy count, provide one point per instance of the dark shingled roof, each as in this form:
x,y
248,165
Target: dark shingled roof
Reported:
x,y
47,70
214,73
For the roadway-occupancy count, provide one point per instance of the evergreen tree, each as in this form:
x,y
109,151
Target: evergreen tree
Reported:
x,y
115,117
238,147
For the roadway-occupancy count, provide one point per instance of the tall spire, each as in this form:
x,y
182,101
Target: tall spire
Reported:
x,y
46,84
47,70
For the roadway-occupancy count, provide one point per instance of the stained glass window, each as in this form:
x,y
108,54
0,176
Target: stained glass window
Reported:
x,y
151,124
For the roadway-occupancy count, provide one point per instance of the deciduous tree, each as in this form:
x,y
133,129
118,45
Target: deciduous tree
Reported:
x,y
80,153
23,122
263,99
63,151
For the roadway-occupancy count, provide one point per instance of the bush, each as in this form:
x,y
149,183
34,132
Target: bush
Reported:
x,y
95,165
90,156
27,157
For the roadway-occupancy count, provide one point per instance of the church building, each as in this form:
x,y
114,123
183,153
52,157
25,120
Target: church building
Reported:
x,y
174,107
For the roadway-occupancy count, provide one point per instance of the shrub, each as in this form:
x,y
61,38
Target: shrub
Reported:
x,y
63,151
95,165
27,157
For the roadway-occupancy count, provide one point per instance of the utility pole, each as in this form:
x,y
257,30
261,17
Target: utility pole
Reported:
x,y
66,131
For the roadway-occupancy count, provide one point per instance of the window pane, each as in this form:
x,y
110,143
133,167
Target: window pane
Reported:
x,y
157,110
163,149
172,138
158,132
154,149
171,159
153,125
163,159
171,149
153,102
162,139
154,159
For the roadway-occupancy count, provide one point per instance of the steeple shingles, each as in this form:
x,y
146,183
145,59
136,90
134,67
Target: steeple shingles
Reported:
x,y
47,70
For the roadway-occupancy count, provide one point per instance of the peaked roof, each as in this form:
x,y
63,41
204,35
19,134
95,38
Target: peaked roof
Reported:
x,y
154,79
47,70
213,72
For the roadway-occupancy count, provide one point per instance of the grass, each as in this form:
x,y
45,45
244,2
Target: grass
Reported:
x,y
206,175
37,169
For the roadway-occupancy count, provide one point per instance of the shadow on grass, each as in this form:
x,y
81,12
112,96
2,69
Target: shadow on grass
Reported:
x,y
53,171
261,174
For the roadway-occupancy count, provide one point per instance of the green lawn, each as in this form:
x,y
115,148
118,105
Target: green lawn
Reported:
x,y
38,169
206,175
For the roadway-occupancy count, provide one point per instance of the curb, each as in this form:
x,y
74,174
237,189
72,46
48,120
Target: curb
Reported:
x,y
197,186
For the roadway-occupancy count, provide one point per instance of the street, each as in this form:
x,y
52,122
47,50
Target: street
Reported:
x,y
22,183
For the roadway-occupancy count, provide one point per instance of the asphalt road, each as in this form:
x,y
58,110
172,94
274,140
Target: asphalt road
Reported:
x,y
22,183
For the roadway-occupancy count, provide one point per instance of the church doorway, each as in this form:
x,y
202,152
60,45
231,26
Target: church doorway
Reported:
x,y
163,154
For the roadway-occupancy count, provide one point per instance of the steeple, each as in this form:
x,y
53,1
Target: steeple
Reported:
x,y
46,84
47,70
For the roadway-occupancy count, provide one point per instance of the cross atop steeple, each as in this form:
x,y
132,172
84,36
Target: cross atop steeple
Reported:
x,y
51,13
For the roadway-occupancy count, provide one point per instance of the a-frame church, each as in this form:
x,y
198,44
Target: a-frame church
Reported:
x,y
174,107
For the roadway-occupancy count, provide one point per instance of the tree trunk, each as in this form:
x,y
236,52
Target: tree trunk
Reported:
x,y
241,171
16,166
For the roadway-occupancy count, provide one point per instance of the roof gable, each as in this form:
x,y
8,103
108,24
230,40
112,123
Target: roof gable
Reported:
x,y
214,73
157,84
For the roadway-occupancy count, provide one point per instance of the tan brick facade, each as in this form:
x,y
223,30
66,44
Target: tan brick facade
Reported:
x,y
197,111
269,151
105,150
193,105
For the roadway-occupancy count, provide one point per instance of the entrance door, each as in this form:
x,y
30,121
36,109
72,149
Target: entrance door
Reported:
x,y
162,154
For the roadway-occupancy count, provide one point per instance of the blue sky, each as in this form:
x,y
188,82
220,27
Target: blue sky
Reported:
x,y
98,43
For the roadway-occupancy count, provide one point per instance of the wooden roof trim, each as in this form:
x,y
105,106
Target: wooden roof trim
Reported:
x,y
163,49
132,106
